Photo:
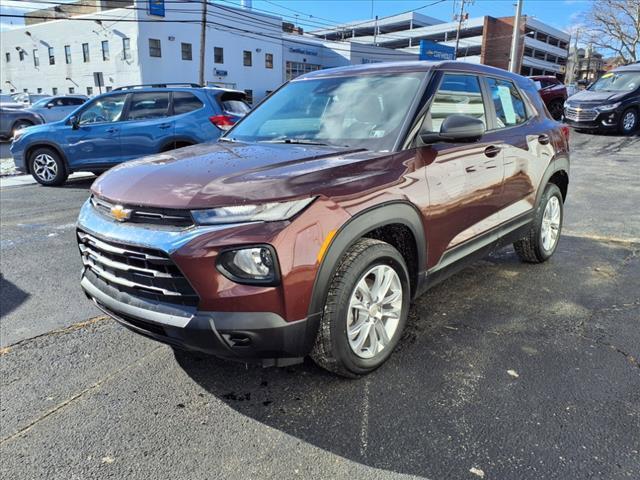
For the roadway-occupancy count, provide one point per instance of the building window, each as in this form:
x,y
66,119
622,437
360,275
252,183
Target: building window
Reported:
x,y
7,57
52,58
54,90
126,49
36,59
295,69
21,55
67,54
218,55
154,48
105,50
89,91
85,52
39,90
72,90
246,58
186,51
249,94
268,60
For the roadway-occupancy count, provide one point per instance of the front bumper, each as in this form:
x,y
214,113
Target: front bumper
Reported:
x,y
604,120
223,331
19,160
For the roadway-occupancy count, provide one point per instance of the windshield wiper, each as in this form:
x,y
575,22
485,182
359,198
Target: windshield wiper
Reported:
x,y
295,141
228,139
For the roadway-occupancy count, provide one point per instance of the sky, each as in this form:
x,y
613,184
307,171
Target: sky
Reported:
x,y
314,14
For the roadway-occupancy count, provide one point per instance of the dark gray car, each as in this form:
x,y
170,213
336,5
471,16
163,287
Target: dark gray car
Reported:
x,y
12,119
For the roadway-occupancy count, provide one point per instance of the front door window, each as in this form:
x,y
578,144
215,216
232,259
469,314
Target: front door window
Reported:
x,y
103,110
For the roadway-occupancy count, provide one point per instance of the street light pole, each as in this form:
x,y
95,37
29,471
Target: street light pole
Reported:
x,y
203,40
460,18
515,40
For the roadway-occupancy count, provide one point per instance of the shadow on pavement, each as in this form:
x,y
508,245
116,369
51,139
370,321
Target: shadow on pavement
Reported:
x,y
522,371
11,296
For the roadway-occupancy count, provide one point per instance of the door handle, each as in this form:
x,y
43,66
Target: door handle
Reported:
x,y
111,130
544,139
164,126
491,151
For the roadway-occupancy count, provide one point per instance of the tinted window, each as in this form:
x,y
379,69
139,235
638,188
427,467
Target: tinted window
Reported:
x,y
235,106
457,95
105,109
509,105
72,101
184,102
149,105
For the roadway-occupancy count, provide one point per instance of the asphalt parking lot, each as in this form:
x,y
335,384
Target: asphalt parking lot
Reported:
x,y
534,372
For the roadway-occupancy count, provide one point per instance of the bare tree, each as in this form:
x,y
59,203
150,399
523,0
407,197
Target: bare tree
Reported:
x,y
614,25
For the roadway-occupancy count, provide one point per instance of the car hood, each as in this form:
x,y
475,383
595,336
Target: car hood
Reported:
x,y
223,174
13,106
599,98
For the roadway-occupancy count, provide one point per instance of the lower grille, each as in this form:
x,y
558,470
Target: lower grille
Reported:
x,y
580,114
138,271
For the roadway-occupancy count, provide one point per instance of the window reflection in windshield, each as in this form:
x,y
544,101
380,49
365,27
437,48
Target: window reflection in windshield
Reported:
x,y
617,82
365,111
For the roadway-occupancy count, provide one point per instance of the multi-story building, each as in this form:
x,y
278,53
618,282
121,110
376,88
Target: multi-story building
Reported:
x,y
585,65
486,40
88,51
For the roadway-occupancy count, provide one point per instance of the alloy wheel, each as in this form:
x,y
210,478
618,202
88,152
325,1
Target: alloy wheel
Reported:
x,y
550,224
374,311
45,167
629,121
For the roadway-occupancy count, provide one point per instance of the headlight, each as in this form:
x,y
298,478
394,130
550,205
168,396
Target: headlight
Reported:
x,y
607,108
253,265
566,104
267,212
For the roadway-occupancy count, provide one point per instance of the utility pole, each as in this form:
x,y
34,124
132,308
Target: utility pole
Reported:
x,y
203,40
460,19
574,60
375,31
515,40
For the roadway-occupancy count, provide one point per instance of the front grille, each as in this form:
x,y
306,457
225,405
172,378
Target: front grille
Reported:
x,y
136,322
149,215
580,114
138,271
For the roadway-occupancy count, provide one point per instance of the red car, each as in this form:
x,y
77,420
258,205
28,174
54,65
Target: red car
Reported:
x,y
553,93
312,224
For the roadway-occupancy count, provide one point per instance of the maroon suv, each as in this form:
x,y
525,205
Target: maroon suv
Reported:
x,y
553,93
310,227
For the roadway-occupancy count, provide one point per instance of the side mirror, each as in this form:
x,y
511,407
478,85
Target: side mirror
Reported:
x,y
74,121
49,105
456,128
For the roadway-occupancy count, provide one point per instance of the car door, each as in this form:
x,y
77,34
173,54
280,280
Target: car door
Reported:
x,y
527,146
464,179
148,126
96,141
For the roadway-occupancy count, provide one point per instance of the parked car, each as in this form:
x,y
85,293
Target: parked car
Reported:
x,y
125,124
553,93
310,226
21,100
53,109
610,103
12,120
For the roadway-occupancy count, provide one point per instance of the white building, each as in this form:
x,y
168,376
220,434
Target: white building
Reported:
x,y
245,49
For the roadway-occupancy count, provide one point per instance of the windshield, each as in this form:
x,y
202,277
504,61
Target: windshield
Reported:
x,y
41,103
20,97
617,82
365,111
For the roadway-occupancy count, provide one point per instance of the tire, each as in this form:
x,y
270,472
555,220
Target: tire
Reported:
x,y
20,124
539,244
365,261
628,121
556,109
47,167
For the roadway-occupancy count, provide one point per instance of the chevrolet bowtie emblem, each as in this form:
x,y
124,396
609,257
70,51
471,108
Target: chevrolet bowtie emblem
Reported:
x,y
120,213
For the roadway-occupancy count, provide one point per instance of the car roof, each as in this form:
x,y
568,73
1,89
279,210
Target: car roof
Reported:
x,y
409,66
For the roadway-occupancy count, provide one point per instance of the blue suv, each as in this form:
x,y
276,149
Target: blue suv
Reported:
x,y
124,124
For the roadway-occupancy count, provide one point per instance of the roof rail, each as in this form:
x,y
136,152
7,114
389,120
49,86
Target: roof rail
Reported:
x,y
159,85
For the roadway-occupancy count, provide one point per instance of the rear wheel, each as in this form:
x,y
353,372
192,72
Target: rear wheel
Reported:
x,y
47,167
541,241
628,121
366,310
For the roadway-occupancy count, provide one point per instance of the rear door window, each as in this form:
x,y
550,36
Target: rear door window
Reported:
x,y
185,102
150,105
509,104
457,95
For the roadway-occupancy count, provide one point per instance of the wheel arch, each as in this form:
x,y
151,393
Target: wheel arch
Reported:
x,y
44,144
557,173
378,222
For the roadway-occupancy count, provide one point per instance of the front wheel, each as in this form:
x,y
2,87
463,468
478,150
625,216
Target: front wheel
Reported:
x,y
628,121
542,239
366,310
47,167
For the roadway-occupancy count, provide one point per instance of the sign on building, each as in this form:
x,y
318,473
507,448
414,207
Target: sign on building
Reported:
x,y
156,7
430,50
